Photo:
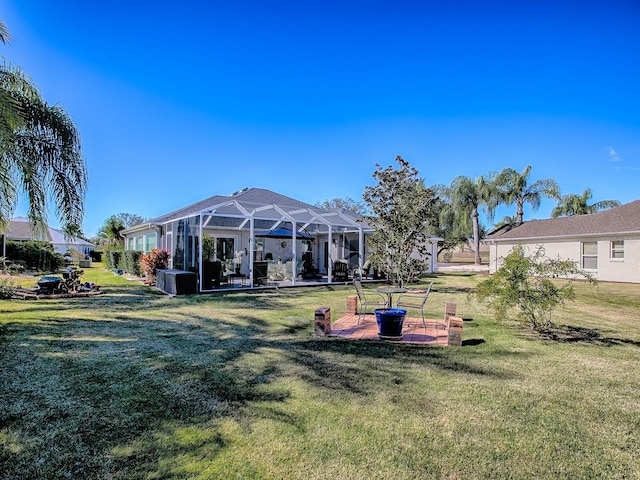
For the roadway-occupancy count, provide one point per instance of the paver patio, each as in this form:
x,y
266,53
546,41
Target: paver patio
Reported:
x,y
412,330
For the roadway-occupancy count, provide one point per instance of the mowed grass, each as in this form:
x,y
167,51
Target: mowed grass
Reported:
x,y
133,384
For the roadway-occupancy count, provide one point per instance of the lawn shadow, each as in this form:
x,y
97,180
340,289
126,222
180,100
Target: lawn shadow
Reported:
x,y
152,366
593,336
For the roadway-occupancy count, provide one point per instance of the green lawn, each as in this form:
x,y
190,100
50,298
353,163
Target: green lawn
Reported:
x,y
133,384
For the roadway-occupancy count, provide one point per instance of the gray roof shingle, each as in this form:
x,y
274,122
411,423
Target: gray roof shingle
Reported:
x,y
252,195
624,219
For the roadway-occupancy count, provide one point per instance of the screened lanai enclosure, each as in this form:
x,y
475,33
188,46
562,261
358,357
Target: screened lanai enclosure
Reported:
x,y
254,238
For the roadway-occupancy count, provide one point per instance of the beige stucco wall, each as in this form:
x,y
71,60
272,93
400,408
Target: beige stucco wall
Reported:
x,y
610,270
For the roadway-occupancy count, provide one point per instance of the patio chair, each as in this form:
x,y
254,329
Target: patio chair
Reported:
x,y
368,299
340,271
218,274
364,273
260,273
415,301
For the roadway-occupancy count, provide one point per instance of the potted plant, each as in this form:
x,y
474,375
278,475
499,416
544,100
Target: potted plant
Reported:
x,y
390,322
237,261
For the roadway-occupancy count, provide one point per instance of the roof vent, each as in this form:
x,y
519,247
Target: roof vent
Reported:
x,y
239,192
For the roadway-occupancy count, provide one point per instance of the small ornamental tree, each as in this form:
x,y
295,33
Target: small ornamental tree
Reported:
x,y
534,285
153,261
403,214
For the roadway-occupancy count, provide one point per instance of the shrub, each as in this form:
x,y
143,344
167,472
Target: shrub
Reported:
x,y
153,261
7,287
535,285
113,257
39,256
130,262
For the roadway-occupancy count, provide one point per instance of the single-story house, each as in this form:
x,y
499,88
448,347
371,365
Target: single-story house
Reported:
x,y
243,226
606,243
19,229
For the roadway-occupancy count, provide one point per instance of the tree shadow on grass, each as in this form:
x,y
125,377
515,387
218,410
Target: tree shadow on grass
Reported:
x,y
452,290
591,336
124,397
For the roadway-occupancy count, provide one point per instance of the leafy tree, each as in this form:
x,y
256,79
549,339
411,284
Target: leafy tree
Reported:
x,y
532,284
464,198
573,204
109,233
449,229
40,154
514,187
347,203
403,215
130,219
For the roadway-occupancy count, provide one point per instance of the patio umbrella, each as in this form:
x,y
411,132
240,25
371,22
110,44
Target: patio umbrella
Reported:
x,y
281,232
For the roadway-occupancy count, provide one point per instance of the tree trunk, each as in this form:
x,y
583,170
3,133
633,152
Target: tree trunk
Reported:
x,y
520,212
476,236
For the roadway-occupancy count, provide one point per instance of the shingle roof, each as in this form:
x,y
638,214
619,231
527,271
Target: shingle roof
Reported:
x,y
254,200
624,219
19,228
251,195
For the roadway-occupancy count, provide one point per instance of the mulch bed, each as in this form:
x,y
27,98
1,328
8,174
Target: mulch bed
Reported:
x,y
32,294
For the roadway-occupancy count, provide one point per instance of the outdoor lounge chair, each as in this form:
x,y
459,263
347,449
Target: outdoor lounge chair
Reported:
x,y
364,273
260,273
367,298
416,301
340,271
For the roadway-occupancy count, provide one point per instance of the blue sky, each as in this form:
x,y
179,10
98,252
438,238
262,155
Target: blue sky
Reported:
x,y
178,101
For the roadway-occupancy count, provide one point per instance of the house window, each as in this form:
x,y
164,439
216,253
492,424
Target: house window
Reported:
x,y
590,255
139,246
152,242
617,250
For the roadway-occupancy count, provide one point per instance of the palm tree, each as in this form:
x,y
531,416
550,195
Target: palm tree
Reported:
x,y
464,198
514,188
109,233
573,204
40,153
506,220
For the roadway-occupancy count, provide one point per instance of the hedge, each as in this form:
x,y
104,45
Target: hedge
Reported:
x,y
38,256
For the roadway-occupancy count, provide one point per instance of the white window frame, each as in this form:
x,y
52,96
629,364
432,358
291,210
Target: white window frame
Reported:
x,y
613,250
584,255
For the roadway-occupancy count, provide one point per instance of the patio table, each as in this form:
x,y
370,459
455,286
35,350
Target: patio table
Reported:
x,y
389,290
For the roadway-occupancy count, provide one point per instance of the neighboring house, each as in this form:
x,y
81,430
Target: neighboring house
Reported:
x,y
19,229
606,243
237,222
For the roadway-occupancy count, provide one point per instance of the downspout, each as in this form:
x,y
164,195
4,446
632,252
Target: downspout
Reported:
x,y
200,289
330,250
